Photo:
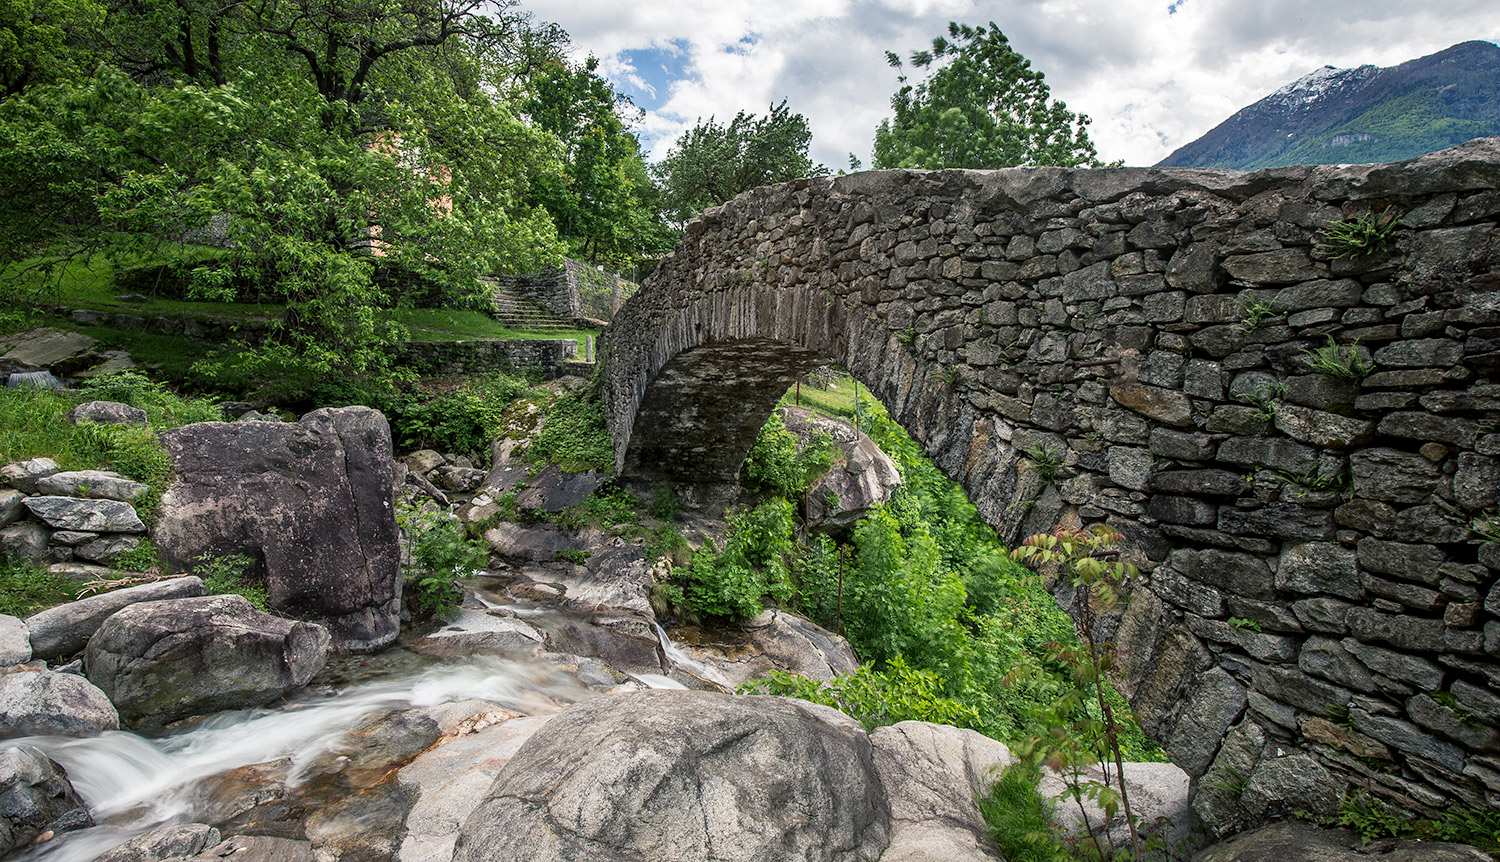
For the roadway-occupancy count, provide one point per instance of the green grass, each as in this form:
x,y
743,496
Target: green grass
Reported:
x,y
836,401
1019,819
90,285
26,589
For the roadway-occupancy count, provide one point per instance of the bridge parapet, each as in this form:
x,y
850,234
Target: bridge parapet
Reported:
x,y
1314,584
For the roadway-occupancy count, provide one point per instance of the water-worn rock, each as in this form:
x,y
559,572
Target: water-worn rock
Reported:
x,y
932,774
36,702
184,839
23,542
35,797
93,484
1294,841
65,629
60,351
862,476
106,413
684,775
254,848
800,646
93,516
11,509
311,501
163,660
23,475
15,641
1158,799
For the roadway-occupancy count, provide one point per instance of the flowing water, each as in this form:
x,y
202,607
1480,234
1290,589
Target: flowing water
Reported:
x,y
133,783
679,658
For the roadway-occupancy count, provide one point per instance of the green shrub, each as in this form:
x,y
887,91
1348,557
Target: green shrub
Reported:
x,y
439,554
462,420
230,574
143,557
26,589
1365,235
1019,819
574,436
754,564
778,463
875,697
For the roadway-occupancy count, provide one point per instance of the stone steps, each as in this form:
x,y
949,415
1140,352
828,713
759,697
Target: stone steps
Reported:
x,y
516,311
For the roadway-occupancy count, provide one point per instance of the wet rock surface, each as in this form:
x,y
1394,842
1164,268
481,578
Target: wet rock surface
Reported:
x,y
35,797
171,658
44,702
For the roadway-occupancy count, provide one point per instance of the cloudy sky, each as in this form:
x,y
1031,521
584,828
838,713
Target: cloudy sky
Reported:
x,y
1152,74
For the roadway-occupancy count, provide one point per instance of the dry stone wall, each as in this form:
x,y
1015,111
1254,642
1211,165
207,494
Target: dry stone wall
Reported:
x,y
1132,346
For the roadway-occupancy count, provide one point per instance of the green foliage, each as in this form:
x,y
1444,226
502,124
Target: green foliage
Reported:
x,y
1243,623
1263,399
1019,819
438,553
462,419
664,502
1486,526
231,574
779,463
576,556
712,163
982,106
1367,235
1253,311
143,557
26,589
893,694
754,563
1044,462
1337,361
1079,735
1374,819
574,436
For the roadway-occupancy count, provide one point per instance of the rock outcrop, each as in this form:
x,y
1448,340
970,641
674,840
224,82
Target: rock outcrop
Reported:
x,y
310,501
163,660
63,630
35,797
861,478
36,702
685,775
932,775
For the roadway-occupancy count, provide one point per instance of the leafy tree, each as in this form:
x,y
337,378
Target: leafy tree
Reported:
x,y
983,106
43,41
712,163
604,201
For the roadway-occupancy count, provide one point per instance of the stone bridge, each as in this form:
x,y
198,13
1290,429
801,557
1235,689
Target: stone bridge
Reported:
x,y
1317,610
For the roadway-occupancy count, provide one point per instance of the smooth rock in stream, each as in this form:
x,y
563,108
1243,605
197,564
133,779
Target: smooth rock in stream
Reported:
x,y
15,641
35,797
184,839
311,501
65,629
932,775
685,775
163,660
37,702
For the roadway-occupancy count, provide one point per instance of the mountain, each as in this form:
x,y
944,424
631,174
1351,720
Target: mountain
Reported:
x,y
1354,116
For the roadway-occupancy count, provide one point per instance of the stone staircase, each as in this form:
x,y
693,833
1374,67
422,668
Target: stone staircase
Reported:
x,y
518,311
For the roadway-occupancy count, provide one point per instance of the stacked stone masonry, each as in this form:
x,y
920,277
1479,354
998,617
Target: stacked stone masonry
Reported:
x,y
1313,586
546,355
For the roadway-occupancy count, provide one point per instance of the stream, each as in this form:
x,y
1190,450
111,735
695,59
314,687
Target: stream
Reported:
x,y
133,784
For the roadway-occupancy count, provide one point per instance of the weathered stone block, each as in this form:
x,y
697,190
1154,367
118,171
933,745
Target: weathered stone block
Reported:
x,y
1406,737
1321,428
1329,616
1327,658
1183,510
1292,686
1239,574
1476,485
1213,706
1415,670
1281,520
1421,353
1274,453
1412,562
1231,419
1319,568
1129,468
1285,266
1318,294
1393,475
1162,405
1213,483
1426,427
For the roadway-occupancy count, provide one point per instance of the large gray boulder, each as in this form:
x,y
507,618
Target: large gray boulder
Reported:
x,y
89,516
163,660
25,542
63,630
678,775
15,641
106,413
11,509
23,475
932,775
311,501
861,478
94,484
42,702
35,797
183,839
60,351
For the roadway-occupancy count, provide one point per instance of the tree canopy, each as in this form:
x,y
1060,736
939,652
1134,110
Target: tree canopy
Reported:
x,y
981,106
298,151
712,163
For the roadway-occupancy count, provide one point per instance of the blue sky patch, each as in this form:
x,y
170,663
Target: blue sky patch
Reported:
x,y
657,68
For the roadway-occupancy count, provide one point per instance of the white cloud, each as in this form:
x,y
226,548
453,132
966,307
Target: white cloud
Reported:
x,y
1150,78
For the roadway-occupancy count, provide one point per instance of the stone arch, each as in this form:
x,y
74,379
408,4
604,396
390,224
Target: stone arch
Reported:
x,y
1102,314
